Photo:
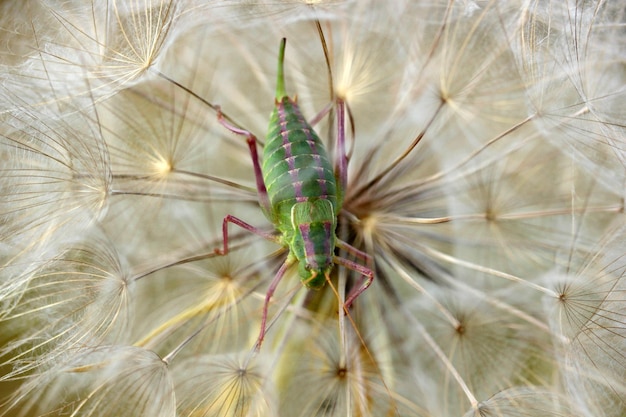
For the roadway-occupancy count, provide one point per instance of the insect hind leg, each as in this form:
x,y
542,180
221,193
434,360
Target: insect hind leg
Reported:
x,y
252,145
367,277
341,155
354,251
319,116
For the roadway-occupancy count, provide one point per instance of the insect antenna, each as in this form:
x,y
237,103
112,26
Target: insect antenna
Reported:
x,y
195,95
320,31
341,158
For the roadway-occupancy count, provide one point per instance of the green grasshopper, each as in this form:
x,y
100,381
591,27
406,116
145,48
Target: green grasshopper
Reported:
x,y
301,194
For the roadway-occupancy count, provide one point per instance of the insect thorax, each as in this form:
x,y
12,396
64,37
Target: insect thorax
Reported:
x,y
311,239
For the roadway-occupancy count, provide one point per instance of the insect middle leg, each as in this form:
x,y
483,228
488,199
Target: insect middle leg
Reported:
x,y
236,220
275,281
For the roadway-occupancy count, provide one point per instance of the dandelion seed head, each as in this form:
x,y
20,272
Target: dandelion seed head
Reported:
x,y
485,185
368,225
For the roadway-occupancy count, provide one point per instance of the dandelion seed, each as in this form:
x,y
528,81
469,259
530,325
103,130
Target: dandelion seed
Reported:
x,y
223,385
523,402
54,184
108,380
334,381
587,314
88,49
78,298
215,299
567,64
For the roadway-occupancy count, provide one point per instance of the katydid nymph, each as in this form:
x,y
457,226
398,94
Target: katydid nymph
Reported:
x,y
301,194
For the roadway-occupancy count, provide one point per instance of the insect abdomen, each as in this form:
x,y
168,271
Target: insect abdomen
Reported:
x,y
295,165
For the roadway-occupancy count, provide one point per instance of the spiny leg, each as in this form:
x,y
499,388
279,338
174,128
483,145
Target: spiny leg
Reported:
x,y
354,251
341,162
363,270
235,220
319,116
275,281
251,140
268,295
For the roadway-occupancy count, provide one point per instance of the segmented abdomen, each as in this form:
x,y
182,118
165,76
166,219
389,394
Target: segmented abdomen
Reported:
x,y
295,165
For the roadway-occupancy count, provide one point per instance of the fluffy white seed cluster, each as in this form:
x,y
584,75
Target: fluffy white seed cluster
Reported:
x,y
486,144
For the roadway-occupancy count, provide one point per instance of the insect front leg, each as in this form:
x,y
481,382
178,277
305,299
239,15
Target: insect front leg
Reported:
x,y
252,145
268,296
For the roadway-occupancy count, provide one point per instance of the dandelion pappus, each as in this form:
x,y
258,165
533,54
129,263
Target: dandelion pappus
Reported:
x,y
301,194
